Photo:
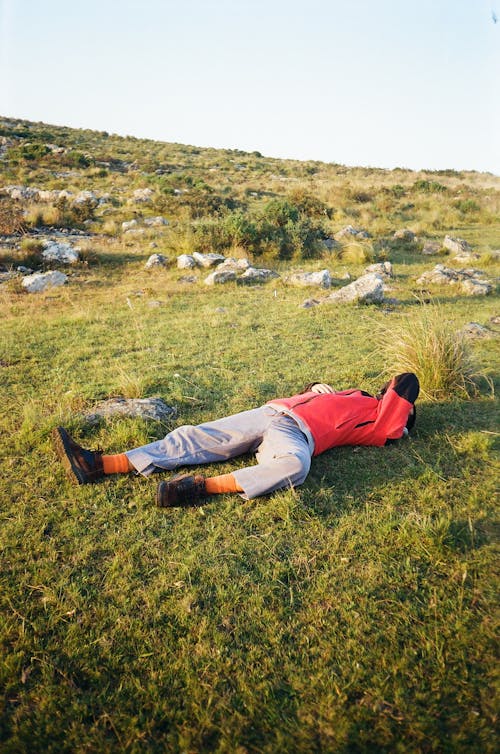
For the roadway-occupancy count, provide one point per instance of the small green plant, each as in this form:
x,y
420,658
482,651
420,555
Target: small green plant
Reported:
x,y
430,346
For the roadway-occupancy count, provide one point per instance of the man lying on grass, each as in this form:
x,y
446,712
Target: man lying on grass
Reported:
x,y
284,434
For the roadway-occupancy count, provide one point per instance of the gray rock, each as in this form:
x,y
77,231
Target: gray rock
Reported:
x,y
254,275
238,265
188,279
129,224
381,268
471,281
186,262
142,195
475,287
368,289
404,234
156,260
330,244
85,197
207,260
60,252
457,245
319,279
309,303
350,232
144,408
40,281
475,330
431,247
219,277
155,222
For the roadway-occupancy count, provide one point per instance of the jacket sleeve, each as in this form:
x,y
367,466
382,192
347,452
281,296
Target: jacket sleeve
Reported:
x,y
395,406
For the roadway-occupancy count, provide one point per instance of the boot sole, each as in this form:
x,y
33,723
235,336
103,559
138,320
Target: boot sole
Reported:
x,y
73,472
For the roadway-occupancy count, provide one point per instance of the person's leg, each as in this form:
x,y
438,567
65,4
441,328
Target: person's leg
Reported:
x,y
284,459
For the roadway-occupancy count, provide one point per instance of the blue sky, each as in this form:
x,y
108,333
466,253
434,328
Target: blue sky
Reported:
x,y
387,83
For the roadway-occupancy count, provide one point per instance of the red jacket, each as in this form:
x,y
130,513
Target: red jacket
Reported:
x,y
352,417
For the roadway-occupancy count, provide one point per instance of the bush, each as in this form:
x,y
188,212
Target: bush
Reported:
x,y
11,216
430,346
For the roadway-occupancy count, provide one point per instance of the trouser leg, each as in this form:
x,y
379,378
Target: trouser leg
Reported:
x,y
283,460
205,443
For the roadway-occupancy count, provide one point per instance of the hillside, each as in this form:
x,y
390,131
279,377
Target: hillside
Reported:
x,y
354,613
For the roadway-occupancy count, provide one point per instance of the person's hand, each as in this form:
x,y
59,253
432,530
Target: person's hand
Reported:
x,y
322,387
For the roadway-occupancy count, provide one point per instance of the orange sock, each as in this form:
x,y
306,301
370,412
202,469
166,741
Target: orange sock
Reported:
x,y
216,485
117,464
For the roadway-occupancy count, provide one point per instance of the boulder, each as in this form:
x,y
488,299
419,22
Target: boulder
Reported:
x,y
471,281
40,281
368,289
350,232
381,268
475,330
129,224
156,260
457,245
319,279
186,262
85,197
220,276
60,252
475,287
155,222
404,234
207,260
431,247
142,195
238,265
254,275
144,408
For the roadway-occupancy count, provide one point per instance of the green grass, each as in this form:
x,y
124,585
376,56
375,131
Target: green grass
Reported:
x,y
354,614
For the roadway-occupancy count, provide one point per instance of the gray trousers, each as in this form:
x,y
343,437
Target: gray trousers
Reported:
x,y
282,450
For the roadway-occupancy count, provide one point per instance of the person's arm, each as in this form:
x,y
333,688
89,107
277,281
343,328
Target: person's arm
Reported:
x,y
318,387
396,405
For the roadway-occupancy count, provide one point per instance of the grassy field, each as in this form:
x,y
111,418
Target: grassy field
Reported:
x,y
353,614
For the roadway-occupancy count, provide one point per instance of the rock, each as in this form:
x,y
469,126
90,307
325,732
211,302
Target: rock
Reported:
x,y
60,252
154,222
186,262
6,276
320,279
144,408
381,268
40,281
129,224
495,320
188,279
457,245
431,247
238,265
207,260
471,281
142,195
475,330
368,289
156,260
20,192
466,257
220,277
309,303
350,232
404,234
330,244
475,287
85,197
254,275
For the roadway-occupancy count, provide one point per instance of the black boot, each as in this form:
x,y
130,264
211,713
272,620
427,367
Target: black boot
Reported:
x,y
82,466
181,491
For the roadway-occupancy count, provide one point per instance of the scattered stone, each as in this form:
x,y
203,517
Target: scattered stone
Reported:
x,y
309,303
475,330
457,245
129,224
220,277
6,276
153,245
24,270
144,408
154,222
207,260
381,268
40,281
188,279
254,275
320,279
155,304
404,234
431,247
186,262
86,197
238,265
60,252
368,289
350,232
156,260
470,280
142,195
330,244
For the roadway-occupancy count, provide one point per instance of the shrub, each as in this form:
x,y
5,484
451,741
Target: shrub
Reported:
x,y
11,216
430,346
